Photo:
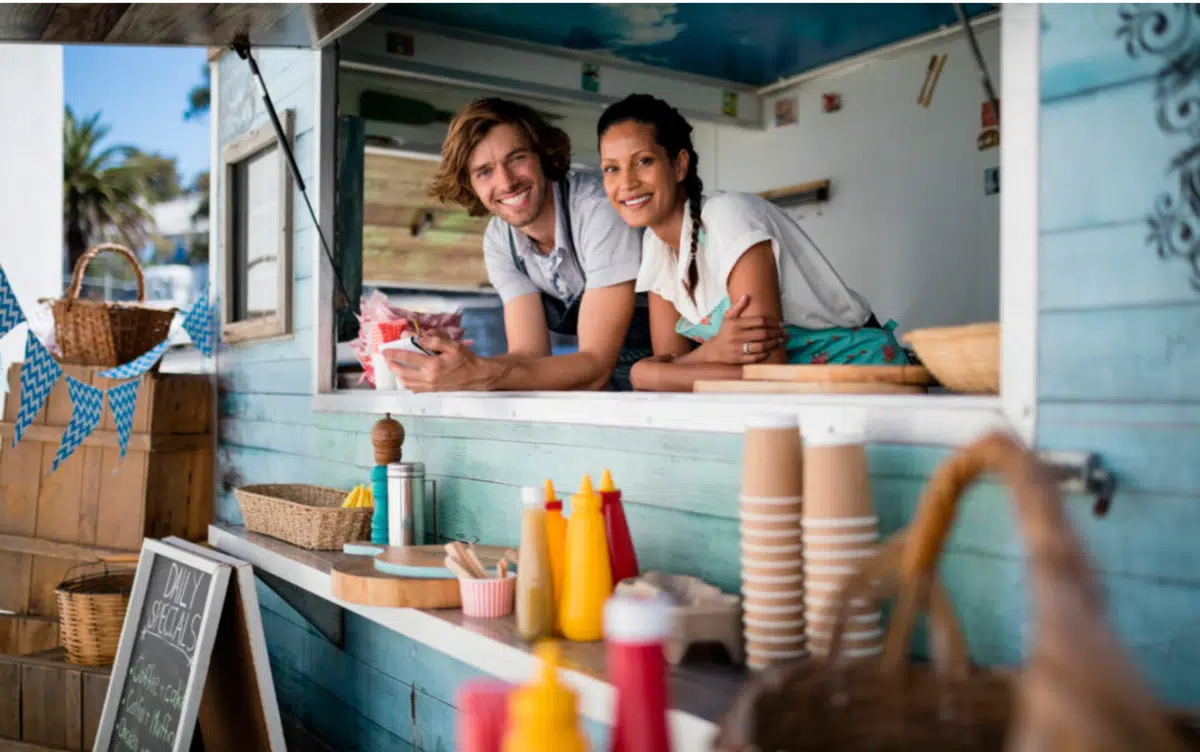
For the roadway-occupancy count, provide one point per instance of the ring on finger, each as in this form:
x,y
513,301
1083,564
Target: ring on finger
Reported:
x,y
746,348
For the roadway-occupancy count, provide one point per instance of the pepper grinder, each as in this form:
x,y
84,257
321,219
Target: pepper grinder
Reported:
x,y
387,435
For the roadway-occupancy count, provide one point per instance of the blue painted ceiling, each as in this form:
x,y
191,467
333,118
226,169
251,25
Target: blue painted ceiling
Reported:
x,y
747,43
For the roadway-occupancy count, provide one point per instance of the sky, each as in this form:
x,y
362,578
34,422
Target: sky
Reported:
x,y
142,95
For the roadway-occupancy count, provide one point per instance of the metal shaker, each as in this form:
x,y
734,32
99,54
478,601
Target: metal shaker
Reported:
x,y
406,501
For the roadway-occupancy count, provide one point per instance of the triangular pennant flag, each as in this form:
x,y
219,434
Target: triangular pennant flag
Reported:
x,y
138,365
87,403
10,309
199,325
122,399
39,374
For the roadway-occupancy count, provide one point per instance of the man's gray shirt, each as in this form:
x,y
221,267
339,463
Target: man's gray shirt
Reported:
x,y
609,251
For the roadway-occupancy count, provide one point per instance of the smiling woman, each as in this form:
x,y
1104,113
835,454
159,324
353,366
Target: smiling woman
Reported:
x,y
663,211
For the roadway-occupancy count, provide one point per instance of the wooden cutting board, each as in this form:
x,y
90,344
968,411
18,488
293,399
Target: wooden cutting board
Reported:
x,y
369,581
806,387
914,375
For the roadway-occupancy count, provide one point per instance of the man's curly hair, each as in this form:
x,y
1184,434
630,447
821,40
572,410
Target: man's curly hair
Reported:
x,y
452,183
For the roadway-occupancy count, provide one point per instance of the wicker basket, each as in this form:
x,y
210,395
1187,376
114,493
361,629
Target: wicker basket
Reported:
x,y
99,333
307,516
1077,692
91,613
962,358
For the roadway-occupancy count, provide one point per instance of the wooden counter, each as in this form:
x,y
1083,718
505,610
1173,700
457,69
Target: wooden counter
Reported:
x,y
700,691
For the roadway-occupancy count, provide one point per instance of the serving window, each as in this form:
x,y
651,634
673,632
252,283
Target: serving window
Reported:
x,y
895,175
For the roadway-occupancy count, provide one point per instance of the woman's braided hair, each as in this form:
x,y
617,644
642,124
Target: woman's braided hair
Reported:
x,y
674,134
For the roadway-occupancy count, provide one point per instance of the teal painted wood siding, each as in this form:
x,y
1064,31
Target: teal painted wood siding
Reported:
x,y
1119,343
1119,327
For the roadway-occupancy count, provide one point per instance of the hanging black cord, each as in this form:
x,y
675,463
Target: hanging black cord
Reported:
x,y
983,71
242,47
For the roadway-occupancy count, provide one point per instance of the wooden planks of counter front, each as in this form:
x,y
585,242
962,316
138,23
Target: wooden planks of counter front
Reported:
x,y
97,503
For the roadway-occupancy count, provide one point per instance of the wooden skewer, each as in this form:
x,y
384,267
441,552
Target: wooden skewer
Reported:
x,y
453,565
455,551
474,561
469,561
502,568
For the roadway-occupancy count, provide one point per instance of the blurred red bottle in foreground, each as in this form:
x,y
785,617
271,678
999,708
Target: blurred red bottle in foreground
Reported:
x,y
635,629
483,715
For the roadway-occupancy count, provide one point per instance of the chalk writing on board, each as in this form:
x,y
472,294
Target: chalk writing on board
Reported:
x,y
161,663
1172,31
173,615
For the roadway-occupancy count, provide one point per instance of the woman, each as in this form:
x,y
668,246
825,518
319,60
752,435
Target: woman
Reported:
x,y
789,305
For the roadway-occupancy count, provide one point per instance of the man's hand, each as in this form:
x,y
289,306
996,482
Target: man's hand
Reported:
x,y
451,368
741,339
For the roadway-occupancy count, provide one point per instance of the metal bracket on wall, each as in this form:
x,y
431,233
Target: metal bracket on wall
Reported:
x,y
1080,473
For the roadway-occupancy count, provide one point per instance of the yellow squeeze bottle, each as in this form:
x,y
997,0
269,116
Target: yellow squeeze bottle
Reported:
x,y
556,540
543,715
587,581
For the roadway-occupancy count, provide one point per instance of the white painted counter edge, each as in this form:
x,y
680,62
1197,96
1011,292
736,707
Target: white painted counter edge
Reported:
x,y
596,700
942,420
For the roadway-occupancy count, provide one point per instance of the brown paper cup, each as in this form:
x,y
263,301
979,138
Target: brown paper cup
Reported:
x,y
822,534
764,505
776,651
836,479
771,456
755,573
785,535
786,550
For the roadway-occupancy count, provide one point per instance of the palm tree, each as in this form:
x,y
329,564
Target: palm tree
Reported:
x,y
200,97
102,189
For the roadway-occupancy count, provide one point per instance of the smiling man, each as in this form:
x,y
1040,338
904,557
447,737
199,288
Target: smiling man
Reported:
x,y
556,252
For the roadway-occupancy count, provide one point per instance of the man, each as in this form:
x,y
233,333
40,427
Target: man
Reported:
x,y
556,252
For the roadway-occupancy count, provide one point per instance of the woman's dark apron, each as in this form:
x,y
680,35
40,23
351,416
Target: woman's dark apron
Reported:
x,y
563,318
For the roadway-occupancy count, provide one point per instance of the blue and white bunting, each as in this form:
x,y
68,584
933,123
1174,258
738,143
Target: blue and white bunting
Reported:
x,y
200,325
10,309
87,402
122,399
138,365
39,374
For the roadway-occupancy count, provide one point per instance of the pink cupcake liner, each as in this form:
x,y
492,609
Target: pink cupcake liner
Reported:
x,y
490,598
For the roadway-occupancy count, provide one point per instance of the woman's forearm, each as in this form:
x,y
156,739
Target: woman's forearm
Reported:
x,y
664,374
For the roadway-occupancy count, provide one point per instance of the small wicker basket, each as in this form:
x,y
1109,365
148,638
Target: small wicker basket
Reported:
x,y
99,333
962,358
307,516
91,613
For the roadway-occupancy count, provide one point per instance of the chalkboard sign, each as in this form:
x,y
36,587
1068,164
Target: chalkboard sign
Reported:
x,y
162,659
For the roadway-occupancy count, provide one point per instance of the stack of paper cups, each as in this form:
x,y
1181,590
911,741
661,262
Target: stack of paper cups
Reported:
x,y
840,531
772,556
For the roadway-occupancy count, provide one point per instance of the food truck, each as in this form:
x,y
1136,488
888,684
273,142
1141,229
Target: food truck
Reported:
x,y
1003,248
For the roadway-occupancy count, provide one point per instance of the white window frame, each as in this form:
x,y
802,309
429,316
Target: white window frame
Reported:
x,y
936,420
253,143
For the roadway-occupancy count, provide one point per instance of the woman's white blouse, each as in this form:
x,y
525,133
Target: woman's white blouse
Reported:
x,y
814,296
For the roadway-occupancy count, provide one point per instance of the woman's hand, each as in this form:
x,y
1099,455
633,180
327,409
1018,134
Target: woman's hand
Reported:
x,y
741,339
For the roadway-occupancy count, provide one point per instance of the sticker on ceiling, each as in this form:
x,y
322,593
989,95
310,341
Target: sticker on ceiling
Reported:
x,y
785,111
590,77
729,103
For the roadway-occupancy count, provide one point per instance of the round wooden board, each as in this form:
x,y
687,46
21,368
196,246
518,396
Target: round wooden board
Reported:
x,y
805,387
355,579
426,561
914,375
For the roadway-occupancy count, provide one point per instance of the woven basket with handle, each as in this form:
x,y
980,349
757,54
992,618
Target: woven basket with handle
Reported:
x,y
102,333
91,610
1076,692
307,516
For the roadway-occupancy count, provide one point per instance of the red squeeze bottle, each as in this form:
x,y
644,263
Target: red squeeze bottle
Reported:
x,y
483,715
621,555
635,629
